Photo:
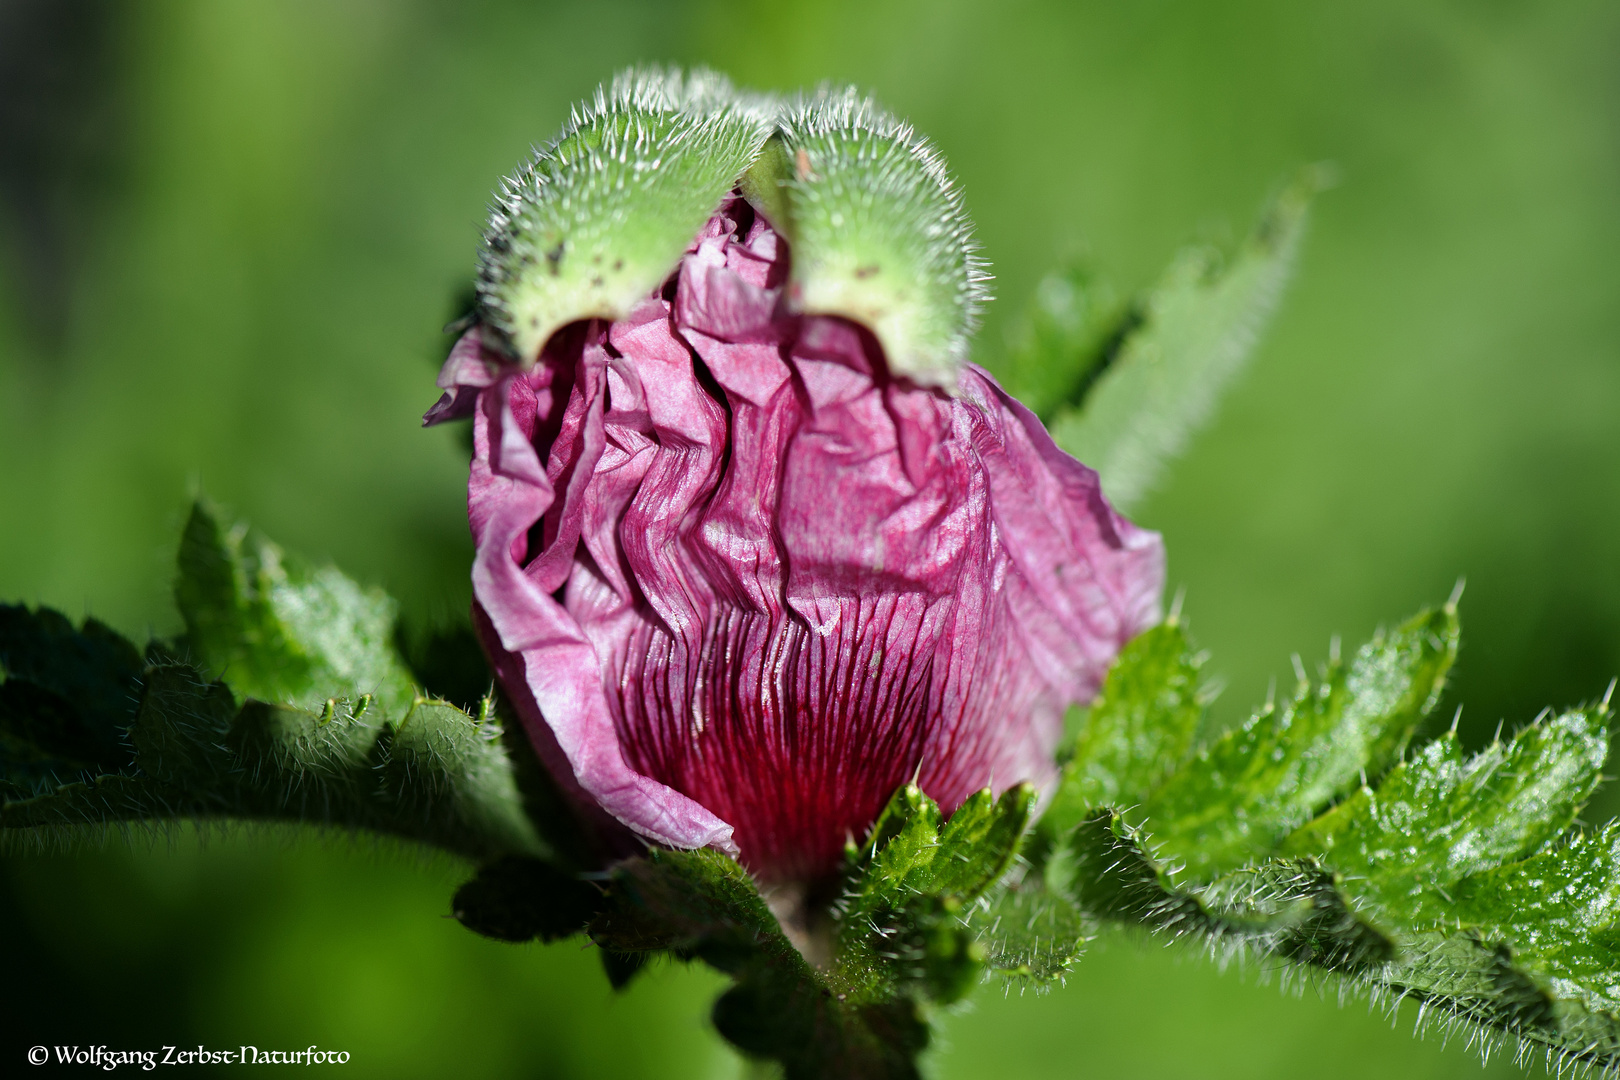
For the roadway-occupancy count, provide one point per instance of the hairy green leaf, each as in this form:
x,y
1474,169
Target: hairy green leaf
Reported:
x,y
438,777
67,700
279,630
1139,727
448,776
320,723
1447,878
903,920
1196,329
1501,923
1237,798
1463,977
91,664
1559,913
1031,936
1073,329
1440,817
911,850
1286,909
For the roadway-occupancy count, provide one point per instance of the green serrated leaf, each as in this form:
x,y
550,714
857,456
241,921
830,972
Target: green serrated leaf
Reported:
x,y
912,851
878,231
102,800
1474,980
308,766
600,217
279,630
1073,330
1138,728
903,919
1308,919
1115,878
1444,879
1031,935
1239,797
900,850
181,734
1559,912
1469,976
67,699
314,641
449,776
91,664
44,741
438,776
179,768
1198,326
978,842
1439,817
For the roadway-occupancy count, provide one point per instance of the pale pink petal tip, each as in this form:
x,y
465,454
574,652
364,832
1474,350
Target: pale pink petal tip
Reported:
x,y
470,368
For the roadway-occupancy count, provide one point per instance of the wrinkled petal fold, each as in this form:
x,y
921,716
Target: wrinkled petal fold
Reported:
x,y
741,584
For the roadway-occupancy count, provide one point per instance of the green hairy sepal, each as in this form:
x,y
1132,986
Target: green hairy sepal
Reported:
x,y
600,217
878,231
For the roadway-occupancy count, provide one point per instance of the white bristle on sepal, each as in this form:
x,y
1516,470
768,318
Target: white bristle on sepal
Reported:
x,y
600,216
879,233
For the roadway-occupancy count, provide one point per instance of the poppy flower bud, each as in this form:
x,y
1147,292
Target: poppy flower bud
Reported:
x,y
755,544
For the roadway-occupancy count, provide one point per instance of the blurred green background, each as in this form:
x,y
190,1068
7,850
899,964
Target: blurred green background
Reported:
x,y
231,232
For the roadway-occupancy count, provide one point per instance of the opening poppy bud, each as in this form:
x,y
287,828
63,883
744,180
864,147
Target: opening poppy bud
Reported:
x,y
755,547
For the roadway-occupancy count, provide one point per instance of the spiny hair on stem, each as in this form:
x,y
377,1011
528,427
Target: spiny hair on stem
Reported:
x,y
1482,1029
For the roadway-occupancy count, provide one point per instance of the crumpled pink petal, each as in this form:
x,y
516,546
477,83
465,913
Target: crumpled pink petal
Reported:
x,y
742,585
471,367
